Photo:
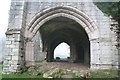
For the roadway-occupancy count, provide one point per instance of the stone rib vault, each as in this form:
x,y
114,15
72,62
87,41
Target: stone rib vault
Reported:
x,y
36,28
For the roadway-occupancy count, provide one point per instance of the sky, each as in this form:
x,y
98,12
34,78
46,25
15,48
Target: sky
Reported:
x,y
62,50
4,11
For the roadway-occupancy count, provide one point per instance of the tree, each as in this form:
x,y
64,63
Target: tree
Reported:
x,y
110,8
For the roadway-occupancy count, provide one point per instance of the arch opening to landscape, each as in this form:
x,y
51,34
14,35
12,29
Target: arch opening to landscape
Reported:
x,y
62,29
62,52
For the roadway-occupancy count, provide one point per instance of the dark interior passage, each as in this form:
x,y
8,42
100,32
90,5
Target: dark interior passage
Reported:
x,y
80,53
62,29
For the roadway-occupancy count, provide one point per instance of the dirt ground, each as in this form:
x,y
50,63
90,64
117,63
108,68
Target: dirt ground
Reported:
x,y
79,67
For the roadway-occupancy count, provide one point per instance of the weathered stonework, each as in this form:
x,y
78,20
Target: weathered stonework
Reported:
x,y
36,28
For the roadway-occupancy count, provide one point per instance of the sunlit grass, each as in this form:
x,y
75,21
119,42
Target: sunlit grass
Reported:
x,y
108,73
0,71
0,67
19,75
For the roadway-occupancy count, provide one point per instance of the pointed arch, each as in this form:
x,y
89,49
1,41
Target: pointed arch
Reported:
x,y
72,13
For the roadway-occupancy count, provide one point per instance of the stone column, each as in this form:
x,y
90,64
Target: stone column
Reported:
x,y
14,57
95,54
29,52
87,55
49,55
73,54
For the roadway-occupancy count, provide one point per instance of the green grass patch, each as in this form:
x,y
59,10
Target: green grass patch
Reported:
x,y
21,75
1,67
1,71
108,73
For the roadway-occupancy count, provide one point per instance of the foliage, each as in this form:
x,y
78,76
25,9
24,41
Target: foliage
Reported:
x,y
110,8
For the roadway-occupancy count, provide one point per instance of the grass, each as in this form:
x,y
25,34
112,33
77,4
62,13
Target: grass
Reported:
x,y
0,71
108,73
19,75
0,67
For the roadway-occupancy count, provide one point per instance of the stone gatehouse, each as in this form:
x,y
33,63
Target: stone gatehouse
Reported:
x,y
36,28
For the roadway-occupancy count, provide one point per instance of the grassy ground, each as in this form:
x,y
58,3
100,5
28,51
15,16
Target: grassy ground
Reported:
x,y
93,74
0,71
23,75
18,75
109,73
0,67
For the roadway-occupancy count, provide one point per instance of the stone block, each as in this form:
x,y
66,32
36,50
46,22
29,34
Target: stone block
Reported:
x,y
13,70
7,53
7,46
8,42
15,57
8,57
94,66
15,50
13,62
106,66
6,66
11,39
6,62
106,52
14,67
11,46
5,69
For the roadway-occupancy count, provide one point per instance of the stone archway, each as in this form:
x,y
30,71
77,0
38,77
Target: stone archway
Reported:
x,y
79,33
67,11
89,43
63,29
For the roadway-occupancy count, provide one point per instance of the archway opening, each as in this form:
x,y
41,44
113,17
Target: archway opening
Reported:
x,y
62,29
62,52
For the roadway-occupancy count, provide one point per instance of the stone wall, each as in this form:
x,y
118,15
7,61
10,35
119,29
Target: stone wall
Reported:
x,y
15,51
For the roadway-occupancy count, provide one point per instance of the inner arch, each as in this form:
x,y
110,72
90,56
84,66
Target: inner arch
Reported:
x,y
62,51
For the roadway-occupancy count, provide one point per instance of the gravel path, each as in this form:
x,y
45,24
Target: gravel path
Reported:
x,y
63,65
